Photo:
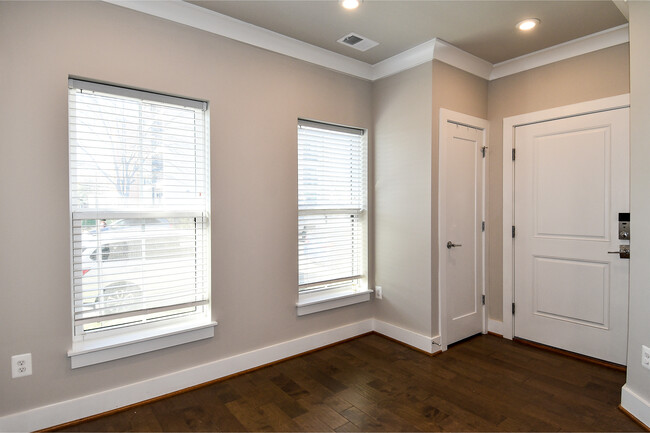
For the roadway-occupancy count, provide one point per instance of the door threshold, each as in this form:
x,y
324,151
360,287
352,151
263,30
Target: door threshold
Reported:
x,y
579,356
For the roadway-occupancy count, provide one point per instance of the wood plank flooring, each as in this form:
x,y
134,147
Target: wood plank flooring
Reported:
x,y
374,384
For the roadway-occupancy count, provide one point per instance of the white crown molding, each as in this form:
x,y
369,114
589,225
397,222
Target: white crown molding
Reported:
x,y
204,19
435,49
408,59
586,44
447,53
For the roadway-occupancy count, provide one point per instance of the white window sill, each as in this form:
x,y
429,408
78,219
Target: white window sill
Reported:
x,y
99,350
309,303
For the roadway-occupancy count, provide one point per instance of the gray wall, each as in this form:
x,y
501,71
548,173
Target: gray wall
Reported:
x,y
638,378
591,76
255,96
402,118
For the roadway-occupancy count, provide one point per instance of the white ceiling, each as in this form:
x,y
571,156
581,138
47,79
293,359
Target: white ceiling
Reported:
x,y
485,28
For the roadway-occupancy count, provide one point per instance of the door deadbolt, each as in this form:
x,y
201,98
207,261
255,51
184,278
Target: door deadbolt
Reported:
x,y
624,226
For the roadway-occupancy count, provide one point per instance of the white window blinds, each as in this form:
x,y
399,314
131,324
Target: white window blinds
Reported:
x,y
139,207
331,206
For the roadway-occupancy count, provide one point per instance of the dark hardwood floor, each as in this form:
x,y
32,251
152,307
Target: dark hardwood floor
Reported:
x,y
373,384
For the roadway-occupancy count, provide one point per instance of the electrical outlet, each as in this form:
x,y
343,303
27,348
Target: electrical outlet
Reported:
x,y
378,292
21,365
645,357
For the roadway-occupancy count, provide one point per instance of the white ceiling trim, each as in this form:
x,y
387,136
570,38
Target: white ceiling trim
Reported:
x,y
586,44
223,25
453,56
434,49
408,59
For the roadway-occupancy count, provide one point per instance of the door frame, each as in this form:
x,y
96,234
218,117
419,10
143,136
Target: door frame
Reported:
x,y
481,125
509,125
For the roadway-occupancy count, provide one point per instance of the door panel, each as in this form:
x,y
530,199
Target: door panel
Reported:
x,y
571,290
571,181
584,158
463,214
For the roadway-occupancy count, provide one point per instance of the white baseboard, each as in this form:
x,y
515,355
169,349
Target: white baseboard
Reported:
x,y
495,326
406,336
104,401
635,405
82,407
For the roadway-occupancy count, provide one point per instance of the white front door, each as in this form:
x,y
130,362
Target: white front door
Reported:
x,y
462,239
571,183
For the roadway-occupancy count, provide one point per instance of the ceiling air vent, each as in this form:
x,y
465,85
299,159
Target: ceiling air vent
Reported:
x,y
357,42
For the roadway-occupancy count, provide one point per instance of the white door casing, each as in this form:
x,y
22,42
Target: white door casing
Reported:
x,y
557,232
509,124
461,210
571,181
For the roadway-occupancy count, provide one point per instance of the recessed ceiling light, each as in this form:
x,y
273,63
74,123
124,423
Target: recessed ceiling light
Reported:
x,y
350,4
528,24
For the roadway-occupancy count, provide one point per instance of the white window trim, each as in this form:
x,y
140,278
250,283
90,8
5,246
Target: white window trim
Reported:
x,y
112,344
309,303
90,352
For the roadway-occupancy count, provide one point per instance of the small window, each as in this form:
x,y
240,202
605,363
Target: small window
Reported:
x,y
139,188
332,220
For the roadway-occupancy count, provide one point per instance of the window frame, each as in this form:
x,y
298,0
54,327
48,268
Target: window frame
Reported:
x,y
325,298
93,347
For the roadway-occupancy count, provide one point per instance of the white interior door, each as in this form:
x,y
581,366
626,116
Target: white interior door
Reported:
x,y
571,182
461,240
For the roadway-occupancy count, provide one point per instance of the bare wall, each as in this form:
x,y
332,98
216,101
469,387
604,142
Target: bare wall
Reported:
x,y
591,76
402,129
255,98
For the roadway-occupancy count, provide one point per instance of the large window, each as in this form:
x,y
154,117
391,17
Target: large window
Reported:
x,y
139,197
331,210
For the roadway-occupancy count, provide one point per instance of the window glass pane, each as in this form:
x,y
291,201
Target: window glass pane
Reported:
x,y
132,154
141,267
331,207
331,170
329,247
139,189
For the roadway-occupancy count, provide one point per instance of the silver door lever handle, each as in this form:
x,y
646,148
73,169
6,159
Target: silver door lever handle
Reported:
x,y
451,245
623,252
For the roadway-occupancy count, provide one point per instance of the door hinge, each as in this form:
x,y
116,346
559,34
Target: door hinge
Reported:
x,y
513,308
483,299
483,226
484,150
513,232
513,154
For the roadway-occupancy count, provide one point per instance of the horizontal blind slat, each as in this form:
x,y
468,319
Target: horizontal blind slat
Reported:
x,y
140,312
79,85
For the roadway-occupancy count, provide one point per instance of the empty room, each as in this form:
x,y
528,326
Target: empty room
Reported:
x,y
330,215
